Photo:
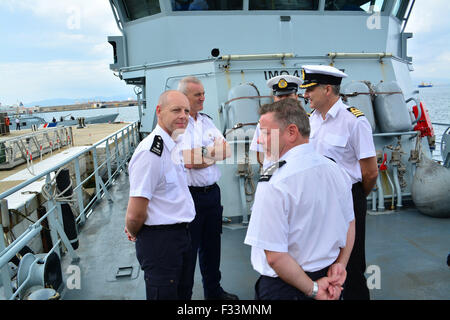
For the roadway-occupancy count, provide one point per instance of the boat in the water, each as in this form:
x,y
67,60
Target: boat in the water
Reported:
x,y
28,121
234,47
425,85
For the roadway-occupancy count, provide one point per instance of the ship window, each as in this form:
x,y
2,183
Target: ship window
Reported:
x,y
284,5
203,5
400,8
355,5
136,9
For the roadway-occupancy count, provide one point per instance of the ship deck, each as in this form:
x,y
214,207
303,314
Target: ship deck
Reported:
x,y
407,252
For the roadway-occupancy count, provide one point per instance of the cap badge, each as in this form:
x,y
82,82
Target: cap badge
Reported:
x,y
282,84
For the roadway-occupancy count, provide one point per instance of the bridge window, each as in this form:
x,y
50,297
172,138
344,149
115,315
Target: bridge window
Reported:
x,y
136,9
202,5
400,8
284,4
355,5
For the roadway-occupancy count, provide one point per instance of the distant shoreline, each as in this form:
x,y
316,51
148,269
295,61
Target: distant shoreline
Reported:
x,y
64,109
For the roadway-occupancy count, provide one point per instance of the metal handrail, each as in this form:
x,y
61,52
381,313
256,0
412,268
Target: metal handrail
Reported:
x,y
33,230
56,167
441,124
33,134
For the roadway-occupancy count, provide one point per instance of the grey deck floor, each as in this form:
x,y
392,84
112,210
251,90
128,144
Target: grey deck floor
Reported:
x,y
408,249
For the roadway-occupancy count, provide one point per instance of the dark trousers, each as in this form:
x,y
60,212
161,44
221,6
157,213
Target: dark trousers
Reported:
x,y
355,287
165,256
268,288
206,229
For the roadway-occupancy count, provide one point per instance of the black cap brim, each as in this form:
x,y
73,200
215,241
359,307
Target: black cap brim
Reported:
x,y
284,92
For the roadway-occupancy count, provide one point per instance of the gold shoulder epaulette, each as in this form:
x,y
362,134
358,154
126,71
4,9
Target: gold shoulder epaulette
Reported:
x,y
356,112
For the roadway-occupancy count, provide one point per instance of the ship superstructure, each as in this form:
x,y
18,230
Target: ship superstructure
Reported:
x,y
234,47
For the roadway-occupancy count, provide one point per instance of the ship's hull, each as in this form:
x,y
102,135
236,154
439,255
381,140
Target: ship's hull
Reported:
x,y
28,122
108,118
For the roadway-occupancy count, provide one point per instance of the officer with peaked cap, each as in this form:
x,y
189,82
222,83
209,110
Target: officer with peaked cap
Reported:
x,y
343,134
314,75
283,87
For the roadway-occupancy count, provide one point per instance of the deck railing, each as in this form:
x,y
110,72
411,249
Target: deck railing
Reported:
x,y
124,142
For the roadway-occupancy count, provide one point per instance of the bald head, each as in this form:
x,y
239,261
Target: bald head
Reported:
x,y
172,111
167,96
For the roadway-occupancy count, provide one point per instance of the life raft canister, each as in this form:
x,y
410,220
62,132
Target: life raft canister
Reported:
x,y
391,110
424,123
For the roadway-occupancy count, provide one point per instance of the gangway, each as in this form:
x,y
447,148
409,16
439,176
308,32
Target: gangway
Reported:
x,y
25,148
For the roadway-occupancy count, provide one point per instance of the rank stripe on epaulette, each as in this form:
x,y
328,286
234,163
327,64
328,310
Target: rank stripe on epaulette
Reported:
x,y
268,173
206,115
157,146
356,112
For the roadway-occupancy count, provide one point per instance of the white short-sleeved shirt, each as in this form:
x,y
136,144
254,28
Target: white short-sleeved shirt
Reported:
x,y
198,134
162,180
305,210
255,146
343,137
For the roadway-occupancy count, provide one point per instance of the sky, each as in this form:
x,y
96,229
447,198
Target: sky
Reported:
x,y
58,48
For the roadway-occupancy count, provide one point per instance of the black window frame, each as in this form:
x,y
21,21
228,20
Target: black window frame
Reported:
x,y
128,13
238,3
383,7
315,7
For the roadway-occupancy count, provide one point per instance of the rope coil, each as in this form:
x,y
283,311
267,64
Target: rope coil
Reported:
x,y
50,191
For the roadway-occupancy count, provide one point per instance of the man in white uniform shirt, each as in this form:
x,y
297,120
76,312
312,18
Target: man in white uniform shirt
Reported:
x,y
344,134
302,224
203,145
283,87
160,205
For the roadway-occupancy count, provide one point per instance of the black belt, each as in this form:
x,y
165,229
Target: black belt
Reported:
x,y
202,189
176,226
316,275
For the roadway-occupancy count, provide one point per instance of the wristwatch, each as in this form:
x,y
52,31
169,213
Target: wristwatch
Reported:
x,y
204,151
314,291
